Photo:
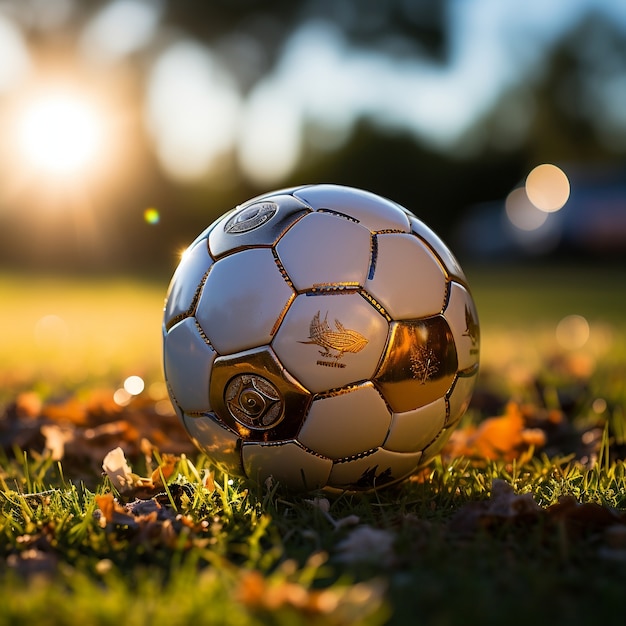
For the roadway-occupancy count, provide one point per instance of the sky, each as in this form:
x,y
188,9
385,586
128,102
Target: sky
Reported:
x,y
195,110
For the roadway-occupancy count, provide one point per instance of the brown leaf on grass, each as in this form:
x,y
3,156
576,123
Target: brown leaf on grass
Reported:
x,y
131,485
568,521
28,404
164,471
506,437
80,430
583,517
111,512
503,507
338,605
56,438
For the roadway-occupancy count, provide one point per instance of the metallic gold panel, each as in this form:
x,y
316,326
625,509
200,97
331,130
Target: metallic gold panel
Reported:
x,y
419,364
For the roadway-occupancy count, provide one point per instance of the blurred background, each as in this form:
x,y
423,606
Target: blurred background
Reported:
x,y
127,126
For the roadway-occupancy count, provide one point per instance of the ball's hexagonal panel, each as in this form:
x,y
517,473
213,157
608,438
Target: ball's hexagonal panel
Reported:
x,y
188,360
443,252
329,341
374,470
405,277
463,319
413,430
419,365
323,250
346,422
219,443
186,282
288,463
459,397
242,301
372,211
259,222
255,396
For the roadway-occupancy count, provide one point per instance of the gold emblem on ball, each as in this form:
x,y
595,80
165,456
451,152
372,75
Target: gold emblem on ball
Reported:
x,y
254,401
334,343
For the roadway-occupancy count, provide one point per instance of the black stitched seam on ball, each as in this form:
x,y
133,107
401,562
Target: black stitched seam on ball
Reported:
x,y
281,269
377,305
192,307
344,216
373,256
356,457
446,297
203,334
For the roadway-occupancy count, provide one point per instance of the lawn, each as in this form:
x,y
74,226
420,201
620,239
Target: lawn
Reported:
x,y
522,518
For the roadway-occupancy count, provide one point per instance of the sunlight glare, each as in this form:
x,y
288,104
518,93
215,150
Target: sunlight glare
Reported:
x,y
59,134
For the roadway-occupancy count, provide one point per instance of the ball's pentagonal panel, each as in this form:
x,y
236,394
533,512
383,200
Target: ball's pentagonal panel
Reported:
x,y
260,222
325,251
288,463
419,365
255,396
377,469
329,341
372,211
347,422
405,277
463,319
186,282
413,430
450,263
460,396
219,443
187,362
242,301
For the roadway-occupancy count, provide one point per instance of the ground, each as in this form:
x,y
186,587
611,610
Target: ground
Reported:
x,y
523,517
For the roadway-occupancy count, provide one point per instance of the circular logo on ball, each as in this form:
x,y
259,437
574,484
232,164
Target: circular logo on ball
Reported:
x,y
250,217
254,401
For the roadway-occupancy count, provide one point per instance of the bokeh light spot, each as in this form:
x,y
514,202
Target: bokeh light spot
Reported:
x,y
599,405
547,187
134,385
50,331
572,332
121,397
522,213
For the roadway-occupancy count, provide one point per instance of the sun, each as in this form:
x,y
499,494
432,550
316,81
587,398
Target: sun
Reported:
x,y
59,134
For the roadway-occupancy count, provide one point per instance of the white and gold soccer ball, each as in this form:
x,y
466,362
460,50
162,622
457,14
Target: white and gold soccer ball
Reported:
x,y
320,335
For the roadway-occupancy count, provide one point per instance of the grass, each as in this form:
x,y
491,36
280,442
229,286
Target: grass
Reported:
x,y
477,540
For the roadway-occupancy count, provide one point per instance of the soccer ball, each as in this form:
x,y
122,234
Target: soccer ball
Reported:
x,y
320,335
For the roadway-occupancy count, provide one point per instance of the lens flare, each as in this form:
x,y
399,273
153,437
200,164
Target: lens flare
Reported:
x,y
151,216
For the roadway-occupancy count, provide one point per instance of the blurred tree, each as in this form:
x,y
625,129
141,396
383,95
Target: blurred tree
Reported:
x,y
571,110
579,99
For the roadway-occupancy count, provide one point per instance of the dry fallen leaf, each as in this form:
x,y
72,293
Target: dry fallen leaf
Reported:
x,y
504,437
